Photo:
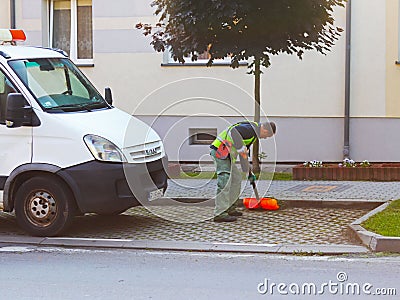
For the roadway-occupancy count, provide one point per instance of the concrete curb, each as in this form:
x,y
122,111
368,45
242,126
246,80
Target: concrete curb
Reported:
x,y
186,246
335,203
374,241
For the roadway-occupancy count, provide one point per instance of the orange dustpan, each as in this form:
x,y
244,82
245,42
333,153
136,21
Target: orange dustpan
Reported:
x,y
269,204
265,203
251,203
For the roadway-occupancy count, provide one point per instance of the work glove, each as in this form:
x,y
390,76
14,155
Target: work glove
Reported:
x,y
244,159
244,154
252,178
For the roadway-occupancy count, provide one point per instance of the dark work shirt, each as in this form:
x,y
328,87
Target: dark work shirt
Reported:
x,y
244,131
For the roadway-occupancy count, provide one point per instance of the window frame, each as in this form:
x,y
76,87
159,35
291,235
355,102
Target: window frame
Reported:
x,y
194,132
73,55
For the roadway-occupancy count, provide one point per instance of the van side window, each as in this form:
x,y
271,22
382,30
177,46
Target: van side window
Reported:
x,y
6,87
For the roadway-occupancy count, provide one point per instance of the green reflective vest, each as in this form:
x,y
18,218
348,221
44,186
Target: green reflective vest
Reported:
x,y
225,135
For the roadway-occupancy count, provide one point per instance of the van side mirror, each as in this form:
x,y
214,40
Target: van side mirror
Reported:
x,y
108,95
15,110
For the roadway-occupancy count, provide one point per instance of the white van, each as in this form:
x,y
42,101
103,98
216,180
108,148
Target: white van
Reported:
x,y
64,149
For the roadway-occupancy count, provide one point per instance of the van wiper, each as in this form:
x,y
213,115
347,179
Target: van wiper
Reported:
x,y
78,107
96,104
69,107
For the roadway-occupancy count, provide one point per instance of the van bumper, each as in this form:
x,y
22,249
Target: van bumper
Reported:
x,y
107,188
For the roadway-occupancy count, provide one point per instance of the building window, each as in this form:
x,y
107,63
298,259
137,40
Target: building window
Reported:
x,y
71,28
202,136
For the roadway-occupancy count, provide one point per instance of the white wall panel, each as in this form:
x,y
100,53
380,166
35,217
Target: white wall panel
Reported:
x,y
31,9
121,41
4,14
122,8
368,58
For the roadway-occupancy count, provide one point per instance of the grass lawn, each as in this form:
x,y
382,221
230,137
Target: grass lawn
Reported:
x,y
386,222
212,175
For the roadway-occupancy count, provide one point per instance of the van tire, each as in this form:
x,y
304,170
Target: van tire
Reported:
x,y
44,206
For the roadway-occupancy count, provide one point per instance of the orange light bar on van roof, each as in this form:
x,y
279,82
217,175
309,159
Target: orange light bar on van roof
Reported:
x,y
12,35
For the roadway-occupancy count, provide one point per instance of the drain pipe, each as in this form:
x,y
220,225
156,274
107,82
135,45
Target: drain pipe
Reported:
x,y
346,147
12,14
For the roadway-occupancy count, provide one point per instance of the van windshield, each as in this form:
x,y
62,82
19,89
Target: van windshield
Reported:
x,y
58,85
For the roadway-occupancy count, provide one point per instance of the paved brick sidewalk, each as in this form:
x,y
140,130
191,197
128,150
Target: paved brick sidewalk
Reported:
x,y
322,226
290,225
293,190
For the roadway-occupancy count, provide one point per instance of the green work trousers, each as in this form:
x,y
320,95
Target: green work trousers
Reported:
x,y
229,180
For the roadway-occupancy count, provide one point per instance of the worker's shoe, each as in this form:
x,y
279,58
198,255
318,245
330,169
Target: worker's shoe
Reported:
x,y
225,218
235,213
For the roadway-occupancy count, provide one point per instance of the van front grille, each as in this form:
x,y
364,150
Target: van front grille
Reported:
x,y
144,153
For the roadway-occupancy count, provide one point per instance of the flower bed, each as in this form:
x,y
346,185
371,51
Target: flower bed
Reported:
x,y
373,172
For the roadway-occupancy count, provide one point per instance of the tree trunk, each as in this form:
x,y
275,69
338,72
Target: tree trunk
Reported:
x,y
257,99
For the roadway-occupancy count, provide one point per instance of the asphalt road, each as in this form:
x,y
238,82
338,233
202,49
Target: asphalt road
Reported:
x,y
60,273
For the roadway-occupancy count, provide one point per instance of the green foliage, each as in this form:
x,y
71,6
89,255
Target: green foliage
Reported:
x,y
262,155
365,164
348,163
386,222
283,176
313,164
242,29
197,175
213,175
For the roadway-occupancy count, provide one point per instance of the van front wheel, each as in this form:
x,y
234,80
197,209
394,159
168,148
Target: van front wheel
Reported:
x,y
43,206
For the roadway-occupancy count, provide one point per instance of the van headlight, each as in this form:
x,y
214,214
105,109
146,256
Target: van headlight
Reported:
x,y
103,150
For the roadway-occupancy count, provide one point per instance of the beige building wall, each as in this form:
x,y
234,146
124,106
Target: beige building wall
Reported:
x,y
305,97
4,14
312,87
392,56
368,58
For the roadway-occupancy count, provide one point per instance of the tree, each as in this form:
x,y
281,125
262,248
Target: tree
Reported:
x,y
243,30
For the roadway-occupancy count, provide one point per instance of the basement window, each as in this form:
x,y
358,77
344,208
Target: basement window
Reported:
x,y
202,136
